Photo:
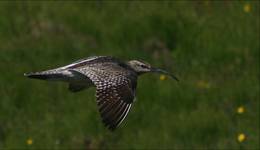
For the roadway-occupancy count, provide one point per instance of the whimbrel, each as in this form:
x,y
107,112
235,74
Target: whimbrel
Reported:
x,y
115,83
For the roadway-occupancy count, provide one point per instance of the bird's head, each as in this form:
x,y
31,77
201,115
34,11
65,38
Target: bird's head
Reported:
x,y
142,67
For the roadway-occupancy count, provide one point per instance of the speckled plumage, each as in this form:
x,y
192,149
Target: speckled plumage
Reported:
x,y
115,83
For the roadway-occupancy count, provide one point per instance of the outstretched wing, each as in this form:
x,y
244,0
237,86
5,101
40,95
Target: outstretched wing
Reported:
x,y
115,91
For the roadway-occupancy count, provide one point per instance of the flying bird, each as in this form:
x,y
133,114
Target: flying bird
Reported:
x,y
115,83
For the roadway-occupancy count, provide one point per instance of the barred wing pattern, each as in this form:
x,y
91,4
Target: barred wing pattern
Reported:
x,y
114,92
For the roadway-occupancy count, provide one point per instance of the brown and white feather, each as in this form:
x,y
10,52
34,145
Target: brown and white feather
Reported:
x,y
115,91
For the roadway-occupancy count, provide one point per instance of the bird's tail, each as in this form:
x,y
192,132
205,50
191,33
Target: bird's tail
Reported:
x,y
46,75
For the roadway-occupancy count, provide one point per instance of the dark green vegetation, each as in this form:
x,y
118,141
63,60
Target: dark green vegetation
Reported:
x,y
213,47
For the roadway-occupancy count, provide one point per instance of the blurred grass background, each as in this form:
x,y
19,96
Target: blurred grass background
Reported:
x,y
213,47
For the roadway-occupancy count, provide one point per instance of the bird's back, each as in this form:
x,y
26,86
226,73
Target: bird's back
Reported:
x,y
104,64
92,61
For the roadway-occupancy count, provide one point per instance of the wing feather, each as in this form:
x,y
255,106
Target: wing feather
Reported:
x,y
114,93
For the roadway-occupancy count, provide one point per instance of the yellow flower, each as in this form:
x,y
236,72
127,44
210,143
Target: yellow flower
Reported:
x,y
240,110
203,84
241,137
29,141
162,77
247,8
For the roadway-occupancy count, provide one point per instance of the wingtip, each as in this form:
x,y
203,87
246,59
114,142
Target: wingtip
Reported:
x,y
26,74
34,75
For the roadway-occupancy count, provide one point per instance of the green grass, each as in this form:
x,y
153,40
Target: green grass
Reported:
x,y
213,47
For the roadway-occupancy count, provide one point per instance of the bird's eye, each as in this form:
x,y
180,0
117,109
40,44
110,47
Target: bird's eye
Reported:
x,y
143,66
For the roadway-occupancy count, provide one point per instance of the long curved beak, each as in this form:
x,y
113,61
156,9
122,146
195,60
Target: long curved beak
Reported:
x,y
157,70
